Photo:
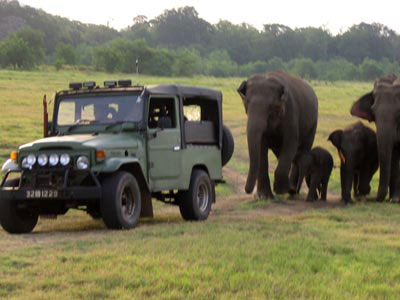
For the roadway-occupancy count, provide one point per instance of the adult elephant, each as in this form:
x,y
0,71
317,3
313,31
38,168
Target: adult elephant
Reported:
x,y
282,114
382,106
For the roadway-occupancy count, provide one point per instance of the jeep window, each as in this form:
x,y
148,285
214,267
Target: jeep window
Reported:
x,y
162,113
192,112
201,121
94,109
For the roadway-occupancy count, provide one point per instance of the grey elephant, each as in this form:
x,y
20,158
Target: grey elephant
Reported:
x,y
382,106
316,166
358,154
282,115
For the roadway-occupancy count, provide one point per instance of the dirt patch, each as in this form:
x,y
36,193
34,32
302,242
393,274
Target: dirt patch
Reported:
x,y
247,206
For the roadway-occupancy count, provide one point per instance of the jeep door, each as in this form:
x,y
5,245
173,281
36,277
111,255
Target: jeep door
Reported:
x,y
164,142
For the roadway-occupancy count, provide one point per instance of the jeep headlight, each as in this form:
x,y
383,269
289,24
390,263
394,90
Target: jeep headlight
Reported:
x,y
28,161
82,163
42,160
53,159
65,159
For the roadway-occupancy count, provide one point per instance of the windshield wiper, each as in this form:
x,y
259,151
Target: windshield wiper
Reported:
x,y
78,123
114,124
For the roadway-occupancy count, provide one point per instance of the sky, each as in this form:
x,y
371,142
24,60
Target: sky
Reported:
x,y
336,15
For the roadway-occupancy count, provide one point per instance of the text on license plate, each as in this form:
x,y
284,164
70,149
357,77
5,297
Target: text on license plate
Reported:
x,y
41,194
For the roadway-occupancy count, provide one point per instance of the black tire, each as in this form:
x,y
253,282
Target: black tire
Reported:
x,y
121,202
196,202
15,220
228,145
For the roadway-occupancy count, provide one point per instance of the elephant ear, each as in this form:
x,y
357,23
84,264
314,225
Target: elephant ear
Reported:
x,y
336,138
362,107
242,92
242,89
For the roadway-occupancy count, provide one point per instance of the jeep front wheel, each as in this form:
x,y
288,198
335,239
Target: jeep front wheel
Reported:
x,y
196,203
12,219
121,202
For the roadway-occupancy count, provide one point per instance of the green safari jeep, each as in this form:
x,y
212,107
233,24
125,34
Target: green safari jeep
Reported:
x,y
109,150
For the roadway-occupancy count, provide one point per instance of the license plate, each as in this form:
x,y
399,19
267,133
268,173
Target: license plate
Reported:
x,y
36,194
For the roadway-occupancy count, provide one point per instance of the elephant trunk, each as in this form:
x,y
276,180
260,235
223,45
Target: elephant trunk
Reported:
x,y
385,148
254,137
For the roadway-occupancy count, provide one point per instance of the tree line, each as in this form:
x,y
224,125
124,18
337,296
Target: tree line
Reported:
x,y
180,43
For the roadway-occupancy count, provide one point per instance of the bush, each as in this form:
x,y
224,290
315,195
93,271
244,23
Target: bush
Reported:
x,y
219,64
303,67
161,63
370,69
58,64
187,63
66,53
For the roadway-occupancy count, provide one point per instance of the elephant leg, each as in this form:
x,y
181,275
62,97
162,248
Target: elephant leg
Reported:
x,y
365,178
394,188
324,189
286,157
347,176
356,185
295,180
263,184
308,181
312,192
300,181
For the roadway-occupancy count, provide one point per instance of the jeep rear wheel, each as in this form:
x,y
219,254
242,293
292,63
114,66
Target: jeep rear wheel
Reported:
x,y
121,202
12,219
196,203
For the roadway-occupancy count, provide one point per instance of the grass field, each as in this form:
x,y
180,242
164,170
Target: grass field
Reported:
x,y
248,249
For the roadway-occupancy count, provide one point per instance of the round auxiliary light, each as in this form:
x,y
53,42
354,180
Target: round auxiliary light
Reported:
x,y
31,159
53,159
82,163
42,160
24,163
65,159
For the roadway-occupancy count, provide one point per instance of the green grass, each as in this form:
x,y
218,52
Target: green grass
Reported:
x,y
244,252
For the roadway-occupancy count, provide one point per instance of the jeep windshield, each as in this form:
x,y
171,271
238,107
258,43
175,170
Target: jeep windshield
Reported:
x,y
104,109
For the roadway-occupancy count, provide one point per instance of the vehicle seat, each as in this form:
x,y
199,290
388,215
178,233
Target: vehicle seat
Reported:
x,y
165,122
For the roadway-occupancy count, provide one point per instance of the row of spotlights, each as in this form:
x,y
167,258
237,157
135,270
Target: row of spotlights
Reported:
x,y
53,160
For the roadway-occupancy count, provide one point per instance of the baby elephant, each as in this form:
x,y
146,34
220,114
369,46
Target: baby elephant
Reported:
x,y
358,153
316,166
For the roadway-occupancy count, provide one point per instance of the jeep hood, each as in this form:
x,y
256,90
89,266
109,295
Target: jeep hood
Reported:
x,y
100,141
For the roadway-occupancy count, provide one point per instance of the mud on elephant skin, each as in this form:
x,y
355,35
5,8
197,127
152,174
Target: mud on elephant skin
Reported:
x,y
282,114
382,106
358,153
316,166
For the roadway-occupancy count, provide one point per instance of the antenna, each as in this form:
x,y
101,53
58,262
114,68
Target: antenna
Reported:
x,y
137,72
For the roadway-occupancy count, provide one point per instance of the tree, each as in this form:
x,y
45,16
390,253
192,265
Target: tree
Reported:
x,y
237,40
106,58
366,40
303,67
219,64
187,63
15,52
66,53
24,49
181,27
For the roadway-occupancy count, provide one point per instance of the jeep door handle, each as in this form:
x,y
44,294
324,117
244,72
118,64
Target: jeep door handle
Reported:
x,y
177,148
